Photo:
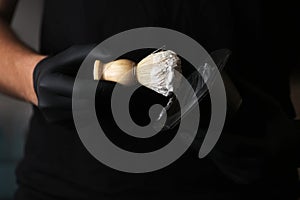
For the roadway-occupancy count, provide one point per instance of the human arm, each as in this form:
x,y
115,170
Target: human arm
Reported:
x,y
17,60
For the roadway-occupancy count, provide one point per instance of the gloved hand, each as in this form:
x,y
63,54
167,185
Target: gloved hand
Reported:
x,y
54,80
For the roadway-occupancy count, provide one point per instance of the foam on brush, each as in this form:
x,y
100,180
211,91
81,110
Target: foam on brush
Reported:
x,y
157,72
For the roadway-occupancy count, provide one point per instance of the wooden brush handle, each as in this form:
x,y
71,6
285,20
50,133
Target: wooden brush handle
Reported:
x,y
120,71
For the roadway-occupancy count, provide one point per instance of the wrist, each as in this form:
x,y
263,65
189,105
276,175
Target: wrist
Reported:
x,y
30,94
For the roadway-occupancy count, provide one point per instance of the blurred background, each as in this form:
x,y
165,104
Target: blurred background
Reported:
x,y
15,115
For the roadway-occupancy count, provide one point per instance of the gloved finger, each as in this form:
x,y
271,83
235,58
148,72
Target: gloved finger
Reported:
x,y
50,114
105,88
71,59
55,102
59,84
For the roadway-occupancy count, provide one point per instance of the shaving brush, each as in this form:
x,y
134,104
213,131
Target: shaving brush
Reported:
x,y
116,71
156,71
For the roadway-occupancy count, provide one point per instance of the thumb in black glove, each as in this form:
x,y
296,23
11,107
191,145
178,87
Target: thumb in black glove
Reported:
x,y
54,80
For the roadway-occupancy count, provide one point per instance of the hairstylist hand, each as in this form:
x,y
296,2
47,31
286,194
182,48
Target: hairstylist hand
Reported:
x,y
54,79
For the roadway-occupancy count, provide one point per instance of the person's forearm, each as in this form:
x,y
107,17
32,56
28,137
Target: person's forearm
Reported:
x,y
16,66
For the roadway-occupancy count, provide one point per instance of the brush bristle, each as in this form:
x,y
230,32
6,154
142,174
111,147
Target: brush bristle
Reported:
x,y
157,72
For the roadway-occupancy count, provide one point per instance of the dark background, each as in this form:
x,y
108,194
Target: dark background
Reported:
x,y
14,115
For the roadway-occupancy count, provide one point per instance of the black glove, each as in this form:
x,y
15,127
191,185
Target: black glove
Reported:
x,y
54,80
